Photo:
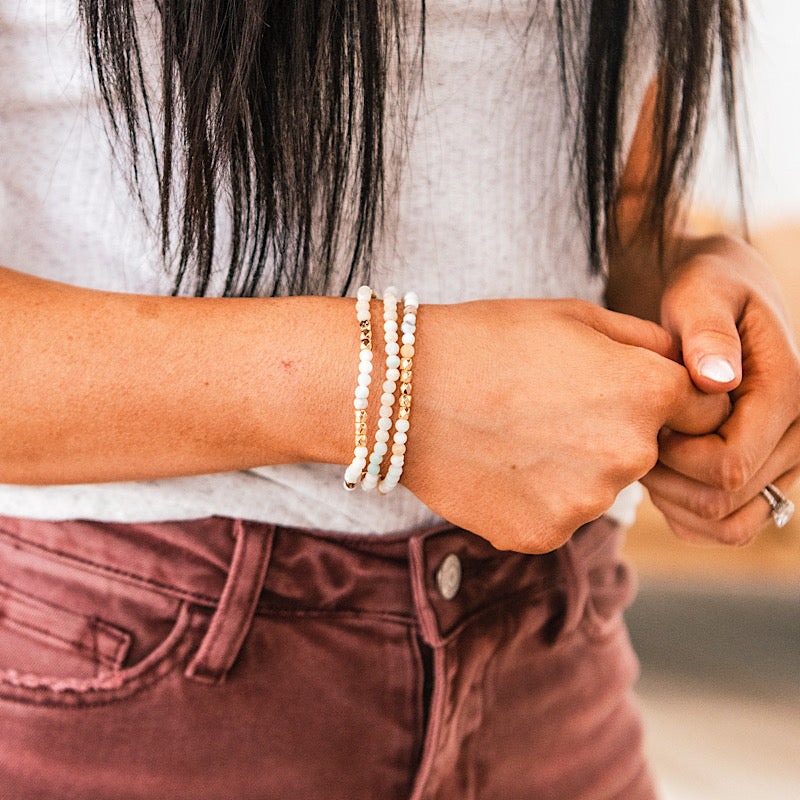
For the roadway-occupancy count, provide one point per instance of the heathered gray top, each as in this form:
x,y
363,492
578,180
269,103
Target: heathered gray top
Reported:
x,y
485,207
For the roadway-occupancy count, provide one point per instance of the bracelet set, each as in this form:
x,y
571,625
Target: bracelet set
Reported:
x,y
399,337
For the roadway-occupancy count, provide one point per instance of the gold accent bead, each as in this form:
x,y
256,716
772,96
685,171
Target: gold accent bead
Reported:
x,y
403,413
361,415
405,363
361,428
364,324
405,376
361,440
405,401
405,388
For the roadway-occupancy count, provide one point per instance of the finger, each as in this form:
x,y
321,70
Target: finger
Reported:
x,y
730,457
737,529
711,502
629,330
691,411
705,325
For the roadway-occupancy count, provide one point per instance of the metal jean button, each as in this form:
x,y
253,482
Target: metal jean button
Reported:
x,y
448,576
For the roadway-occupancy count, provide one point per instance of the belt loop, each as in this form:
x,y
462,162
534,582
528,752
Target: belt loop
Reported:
x,y
576,586
237,604
428,625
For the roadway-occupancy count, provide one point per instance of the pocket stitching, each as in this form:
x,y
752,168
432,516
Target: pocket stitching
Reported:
x,y
106,687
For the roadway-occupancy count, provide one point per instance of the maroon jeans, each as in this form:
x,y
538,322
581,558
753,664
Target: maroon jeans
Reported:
x,y
224,659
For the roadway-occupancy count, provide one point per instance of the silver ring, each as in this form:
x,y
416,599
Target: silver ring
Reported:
x,y
780,506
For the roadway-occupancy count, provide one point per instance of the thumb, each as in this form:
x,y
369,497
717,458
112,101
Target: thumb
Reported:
x,y
706,329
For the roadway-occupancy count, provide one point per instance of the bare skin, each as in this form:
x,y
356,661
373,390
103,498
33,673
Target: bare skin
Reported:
x,y
720,301
107,387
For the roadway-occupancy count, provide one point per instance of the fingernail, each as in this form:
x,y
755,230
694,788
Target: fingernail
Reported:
x,y
716,368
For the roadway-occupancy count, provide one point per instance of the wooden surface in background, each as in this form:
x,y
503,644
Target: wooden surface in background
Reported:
x,y
775,555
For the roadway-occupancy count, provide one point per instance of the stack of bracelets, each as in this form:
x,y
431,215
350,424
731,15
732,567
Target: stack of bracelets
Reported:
x,y
399,348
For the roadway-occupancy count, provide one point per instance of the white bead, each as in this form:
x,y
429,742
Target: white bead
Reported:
x,y
386,412
364,379
387,399
392,290
390,326
390,314
352,474
359,462
364,293
390,387
361,403
400,437
382,436
392,374
365,355
361,452
398,460
411,299
384,423
365,367
380,448
362,315
401,425
408,338
362,392
390,337
392,348
369,482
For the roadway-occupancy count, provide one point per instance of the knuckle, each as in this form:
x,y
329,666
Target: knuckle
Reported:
x,y
644,456
715,504
733,471
736,533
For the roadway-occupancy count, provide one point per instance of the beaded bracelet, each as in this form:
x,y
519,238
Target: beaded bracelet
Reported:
x,y
354,472
401,425
392,349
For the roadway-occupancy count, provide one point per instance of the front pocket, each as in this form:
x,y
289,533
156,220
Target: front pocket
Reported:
x,y
72,637
45,638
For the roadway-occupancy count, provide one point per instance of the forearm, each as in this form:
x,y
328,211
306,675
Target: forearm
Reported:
x,y
100,387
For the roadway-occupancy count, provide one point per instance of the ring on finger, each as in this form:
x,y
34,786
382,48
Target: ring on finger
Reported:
x,y
781,508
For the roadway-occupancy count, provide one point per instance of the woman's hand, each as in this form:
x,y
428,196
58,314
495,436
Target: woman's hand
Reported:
x,y
725,308
530,416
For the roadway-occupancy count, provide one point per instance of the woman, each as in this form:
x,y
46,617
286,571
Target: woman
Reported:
x,y
193,606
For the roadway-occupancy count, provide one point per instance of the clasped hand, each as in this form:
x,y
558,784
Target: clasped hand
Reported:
x,y
531,415
725,309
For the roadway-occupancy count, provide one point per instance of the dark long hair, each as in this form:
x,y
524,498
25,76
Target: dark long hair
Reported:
x,y
267,120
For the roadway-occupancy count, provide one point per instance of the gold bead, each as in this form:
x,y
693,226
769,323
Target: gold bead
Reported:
x,y
405,376
364,324
361,415
361,428
405,388
405,401
361,440
403,413
405,363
